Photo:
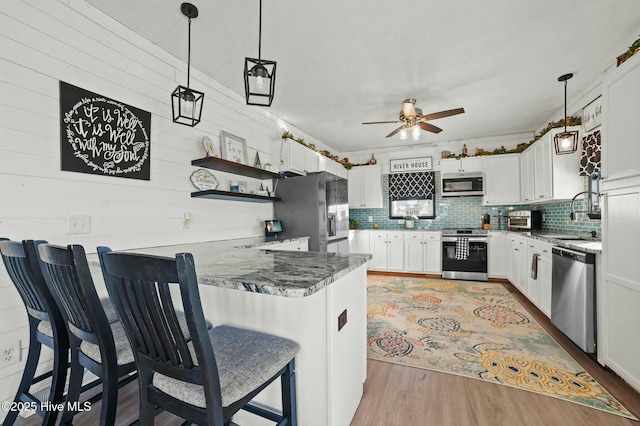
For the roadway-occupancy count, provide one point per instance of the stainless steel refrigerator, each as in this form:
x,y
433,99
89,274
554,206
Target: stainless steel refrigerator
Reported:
x,y
315,205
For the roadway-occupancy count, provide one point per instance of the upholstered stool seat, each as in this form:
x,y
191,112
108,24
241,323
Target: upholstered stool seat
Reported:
x,y
245,360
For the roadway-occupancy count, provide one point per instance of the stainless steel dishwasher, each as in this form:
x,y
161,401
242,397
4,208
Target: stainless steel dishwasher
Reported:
x,y
573,296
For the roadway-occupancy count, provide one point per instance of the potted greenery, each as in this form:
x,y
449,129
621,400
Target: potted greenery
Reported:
x,y
409,220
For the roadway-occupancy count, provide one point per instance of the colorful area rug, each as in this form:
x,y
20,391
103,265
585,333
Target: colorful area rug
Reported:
x,y
476,330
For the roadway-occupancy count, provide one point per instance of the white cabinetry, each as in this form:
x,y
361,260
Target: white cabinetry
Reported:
x,y
502,179
619,319
463,165
539,288
518,259
547,177
365,187
544,278
523,251
620,124
532,290
497,254
387,249
527,178
295,157
422,252
328,165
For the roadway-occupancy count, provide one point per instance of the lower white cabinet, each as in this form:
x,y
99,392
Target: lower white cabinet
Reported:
x,y
301,245
497,254
619,294
523,252
518,260
387,249
422,252
544,278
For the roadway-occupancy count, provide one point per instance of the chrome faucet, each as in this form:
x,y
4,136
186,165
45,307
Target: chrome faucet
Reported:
x,y
572,215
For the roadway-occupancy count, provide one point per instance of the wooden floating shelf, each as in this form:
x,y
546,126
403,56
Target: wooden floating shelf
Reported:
x,y
214,194
227,166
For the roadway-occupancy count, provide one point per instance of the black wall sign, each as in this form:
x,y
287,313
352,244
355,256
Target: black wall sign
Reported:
x,y
101,136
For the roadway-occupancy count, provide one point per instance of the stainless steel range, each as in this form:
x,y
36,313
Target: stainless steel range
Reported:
x,y
464,254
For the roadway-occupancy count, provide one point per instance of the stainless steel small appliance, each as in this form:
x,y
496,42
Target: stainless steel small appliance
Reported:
x,y
462,184
573,296
524,220
464,254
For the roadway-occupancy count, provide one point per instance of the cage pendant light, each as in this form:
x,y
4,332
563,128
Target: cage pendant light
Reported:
x,y
565,142
259,75
185,102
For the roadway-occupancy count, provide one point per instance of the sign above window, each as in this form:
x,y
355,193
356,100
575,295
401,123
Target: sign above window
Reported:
x,y
420,164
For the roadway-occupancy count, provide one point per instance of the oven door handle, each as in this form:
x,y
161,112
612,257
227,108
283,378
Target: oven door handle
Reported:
x,y
470,239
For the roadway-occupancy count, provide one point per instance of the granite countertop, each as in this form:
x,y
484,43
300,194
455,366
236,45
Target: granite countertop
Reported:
x,y
237,264
570,241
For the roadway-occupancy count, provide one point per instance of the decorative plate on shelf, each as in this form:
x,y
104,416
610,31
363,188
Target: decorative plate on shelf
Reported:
x,y
209,147
203,179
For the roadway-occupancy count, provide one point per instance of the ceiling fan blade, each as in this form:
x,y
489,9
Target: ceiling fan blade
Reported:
x,y
395,131
443,114
429,127
382,122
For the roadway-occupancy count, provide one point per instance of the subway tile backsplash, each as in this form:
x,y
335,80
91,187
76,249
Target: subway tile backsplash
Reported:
x,y
467,212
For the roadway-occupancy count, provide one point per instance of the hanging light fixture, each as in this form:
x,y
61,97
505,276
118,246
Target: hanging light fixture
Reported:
x,y
565,142
186,102
259,75
403,134
415,132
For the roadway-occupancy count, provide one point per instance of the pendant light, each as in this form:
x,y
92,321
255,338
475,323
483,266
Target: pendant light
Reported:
x,y
565,142
186,102
259,75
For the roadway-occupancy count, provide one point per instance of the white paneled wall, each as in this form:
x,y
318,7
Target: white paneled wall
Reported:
x,y
43,42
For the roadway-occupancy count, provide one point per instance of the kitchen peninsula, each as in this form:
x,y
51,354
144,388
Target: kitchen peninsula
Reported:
x,y
316,299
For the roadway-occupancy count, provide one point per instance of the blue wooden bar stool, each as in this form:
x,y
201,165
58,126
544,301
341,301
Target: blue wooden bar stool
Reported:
x,y
46,327
96,343
204,377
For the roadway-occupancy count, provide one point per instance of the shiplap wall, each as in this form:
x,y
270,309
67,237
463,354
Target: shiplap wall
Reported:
x,y
44,41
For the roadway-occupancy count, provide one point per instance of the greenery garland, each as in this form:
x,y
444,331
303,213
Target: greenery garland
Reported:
x,y
570,121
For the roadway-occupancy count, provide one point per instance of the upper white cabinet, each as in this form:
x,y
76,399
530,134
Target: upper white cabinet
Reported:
x,y
527,178
328,165
620,123
295,157
462,165
365,187
548,177
502,179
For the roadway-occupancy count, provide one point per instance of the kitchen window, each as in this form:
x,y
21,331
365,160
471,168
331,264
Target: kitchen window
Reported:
x,y
412,194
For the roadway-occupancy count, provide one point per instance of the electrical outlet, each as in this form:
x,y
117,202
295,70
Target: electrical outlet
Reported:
x,y
78,224
370,219
10,354
186,221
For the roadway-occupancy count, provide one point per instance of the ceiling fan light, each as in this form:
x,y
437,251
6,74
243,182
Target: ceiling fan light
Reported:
x,y
403,134
408,110
415,132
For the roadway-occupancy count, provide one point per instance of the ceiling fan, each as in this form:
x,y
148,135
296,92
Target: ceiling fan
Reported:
x,y
412,118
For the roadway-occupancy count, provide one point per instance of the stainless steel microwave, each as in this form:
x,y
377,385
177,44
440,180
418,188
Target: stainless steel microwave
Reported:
x,y
459,185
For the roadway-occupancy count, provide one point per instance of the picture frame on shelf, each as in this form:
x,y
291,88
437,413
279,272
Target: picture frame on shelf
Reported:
x,y
234,148
211,148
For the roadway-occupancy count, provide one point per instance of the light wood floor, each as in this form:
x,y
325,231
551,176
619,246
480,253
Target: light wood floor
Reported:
x,y
399,395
